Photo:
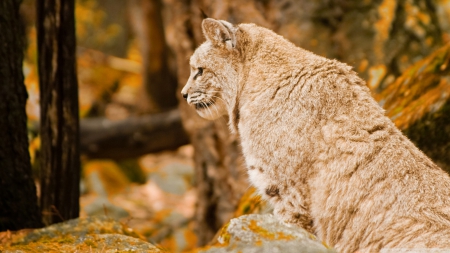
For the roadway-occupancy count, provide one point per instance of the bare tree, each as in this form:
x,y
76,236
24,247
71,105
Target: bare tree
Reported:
x,y
60,162
18,200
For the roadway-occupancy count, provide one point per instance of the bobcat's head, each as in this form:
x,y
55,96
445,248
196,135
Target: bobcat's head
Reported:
x,y
213,84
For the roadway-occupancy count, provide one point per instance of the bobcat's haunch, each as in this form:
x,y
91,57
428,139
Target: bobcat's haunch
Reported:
x,y
316,144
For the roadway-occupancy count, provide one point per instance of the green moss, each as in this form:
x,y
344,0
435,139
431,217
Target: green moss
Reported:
x,y
246,209
250,203
133,171
90,243
253,226
80,235
224,234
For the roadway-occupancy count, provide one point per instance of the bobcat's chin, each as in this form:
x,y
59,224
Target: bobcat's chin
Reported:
x,y
211,110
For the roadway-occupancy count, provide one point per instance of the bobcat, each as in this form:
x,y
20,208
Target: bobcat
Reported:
x,y
316,144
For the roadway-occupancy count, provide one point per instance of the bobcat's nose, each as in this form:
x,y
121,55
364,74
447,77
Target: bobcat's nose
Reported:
x,y
185,95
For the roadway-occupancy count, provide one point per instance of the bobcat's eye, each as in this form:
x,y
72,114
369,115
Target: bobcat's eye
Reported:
x,y
199,73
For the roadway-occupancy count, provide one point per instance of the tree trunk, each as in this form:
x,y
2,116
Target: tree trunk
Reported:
x,y
18,200
379,38
159,80
219,172
60,162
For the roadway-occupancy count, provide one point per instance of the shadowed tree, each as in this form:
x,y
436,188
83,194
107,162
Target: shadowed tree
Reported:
x,y
60,162
18,200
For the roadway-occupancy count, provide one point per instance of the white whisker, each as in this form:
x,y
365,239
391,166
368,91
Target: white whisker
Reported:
x,y
206,106
215,107
209,109
220,99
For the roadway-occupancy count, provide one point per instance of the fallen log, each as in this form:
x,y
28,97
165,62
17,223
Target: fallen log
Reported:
x,y
132,137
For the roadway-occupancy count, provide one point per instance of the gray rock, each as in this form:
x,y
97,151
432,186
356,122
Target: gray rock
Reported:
x,y
117,243
175,178
101,204
93,234
264,233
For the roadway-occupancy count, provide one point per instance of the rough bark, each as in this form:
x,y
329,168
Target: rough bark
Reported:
x,y
60,162
159,81
18,200
379,38
132,137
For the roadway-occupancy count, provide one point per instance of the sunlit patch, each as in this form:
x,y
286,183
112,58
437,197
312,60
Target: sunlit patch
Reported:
x,y
376,75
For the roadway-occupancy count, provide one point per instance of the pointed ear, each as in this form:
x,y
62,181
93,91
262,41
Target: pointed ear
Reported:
x,y
220,33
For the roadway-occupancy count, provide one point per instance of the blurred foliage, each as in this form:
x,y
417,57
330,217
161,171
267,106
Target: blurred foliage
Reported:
x,y
113,180
100,75
251,203
422,88
90,25
419,104
108,84
133,171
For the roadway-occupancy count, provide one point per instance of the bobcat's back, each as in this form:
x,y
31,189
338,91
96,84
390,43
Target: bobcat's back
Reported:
x,y
317,145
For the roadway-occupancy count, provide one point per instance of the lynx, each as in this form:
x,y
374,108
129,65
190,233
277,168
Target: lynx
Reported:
x,y
316,144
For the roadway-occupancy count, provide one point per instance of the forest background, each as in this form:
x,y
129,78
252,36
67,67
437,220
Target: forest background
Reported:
x,y
149,160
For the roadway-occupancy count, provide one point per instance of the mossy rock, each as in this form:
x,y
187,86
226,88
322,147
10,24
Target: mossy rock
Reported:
x,y
264,233
93,234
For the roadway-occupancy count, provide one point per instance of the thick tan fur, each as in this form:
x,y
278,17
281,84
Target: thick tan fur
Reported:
x,y
316,143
